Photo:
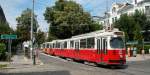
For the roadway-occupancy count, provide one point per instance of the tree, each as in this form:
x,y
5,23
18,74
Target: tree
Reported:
x,y
4,28
67,18
129,26
24,25
143,23
40,37
140,18
146,31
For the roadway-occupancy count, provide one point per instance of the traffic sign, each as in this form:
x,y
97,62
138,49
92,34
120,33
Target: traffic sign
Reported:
x,y
6,36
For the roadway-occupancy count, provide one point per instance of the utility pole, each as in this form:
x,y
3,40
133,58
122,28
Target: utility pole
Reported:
x,y
32,19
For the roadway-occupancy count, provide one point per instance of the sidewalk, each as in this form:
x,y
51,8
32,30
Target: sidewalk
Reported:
x,y
19,61
139,57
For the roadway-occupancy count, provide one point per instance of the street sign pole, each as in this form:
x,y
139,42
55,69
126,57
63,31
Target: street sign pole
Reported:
x,y
9,48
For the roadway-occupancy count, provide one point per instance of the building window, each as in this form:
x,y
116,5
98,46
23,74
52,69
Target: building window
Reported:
x,y
147,10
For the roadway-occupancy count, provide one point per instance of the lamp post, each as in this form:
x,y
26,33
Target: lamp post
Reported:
x,y
32,19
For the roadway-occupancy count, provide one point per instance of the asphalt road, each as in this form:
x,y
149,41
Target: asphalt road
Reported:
x,y
76,68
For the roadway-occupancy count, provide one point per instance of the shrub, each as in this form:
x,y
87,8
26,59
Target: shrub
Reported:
x,y
2,51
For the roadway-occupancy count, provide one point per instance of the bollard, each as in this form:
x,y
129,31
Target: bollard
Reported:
x,y
149,51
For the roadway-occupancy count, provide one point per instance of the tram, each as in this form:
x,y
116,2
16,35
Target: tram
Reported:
x,y
100,47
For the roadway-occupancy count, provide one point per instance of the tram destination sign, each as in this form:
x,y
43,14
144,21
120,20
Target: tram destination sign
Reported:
x,y
7,36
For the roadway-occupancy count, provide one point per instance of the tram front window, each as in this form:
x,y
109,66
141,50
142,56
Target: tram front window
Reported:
x,y
117,42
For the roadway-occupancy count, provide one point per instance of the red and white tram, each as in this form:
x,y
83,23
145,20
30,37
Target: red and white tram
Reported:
x,y
101,47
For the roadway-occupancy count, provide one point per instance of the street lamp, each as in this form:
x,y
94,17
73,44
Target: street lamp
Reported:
x,y
32,19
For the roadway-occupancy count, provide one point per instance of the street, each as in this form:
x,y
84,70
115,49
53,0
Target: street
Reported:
x,y
53,65
132,67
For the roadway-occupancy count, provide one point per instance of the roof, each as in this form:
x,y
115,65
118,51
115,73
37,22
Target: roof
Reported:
x,y
126,7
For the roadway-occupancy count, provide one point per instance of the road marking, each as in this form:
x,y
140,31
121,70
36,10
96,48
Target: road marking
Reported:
x,y
54,57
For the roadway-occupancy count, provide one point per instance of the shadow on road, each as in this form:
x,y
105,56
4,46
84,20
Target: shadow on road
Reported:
x,y
40,73
114,66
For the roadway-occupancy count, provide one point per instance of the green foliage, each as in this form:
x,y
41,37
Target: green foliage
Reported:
x,y
146,48
3,65
132,25
4,28
67,18
24,25
129,26
140,18
146,33
2,50
40,37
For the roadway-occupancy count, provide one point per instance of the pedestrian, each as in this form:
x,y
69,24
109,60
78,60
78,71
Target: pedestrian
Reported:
x,y
143,53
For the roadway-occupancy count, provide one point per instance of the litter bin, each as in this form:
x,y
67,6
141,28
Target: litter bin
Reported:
x,y
134,51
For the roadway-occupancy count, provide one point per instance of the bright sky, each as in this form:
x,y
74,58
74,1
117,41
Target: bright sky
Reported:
x,y
14,8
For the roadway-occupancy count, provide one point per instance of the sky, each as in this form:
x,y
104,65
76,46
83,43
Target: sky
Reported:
x,y
14,8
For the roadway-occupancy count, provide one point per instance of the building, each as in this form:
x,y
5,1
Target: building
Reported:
x,y
125,8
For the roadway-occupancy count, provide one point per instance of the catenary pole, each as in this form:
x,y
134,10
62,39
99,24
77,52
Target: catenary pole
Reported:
x,y
32,19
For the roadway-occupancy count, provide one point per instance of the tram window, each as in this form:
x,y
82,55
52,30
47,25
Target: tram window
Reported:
x,y
47,45
117,42
53,45
58,45
65,44
90,42
71,44
83,43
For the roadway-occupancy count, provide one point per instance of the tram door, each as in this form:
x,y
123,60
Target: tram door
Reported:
x,y
101,47
77,45
77,49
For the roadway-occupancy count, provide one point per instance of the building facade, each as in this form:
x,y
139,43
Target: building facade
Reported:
x,y
118,9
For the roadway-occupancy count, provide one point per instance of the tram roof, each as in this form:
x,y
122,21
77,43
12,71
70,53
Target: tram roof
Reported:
x,y
96,33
